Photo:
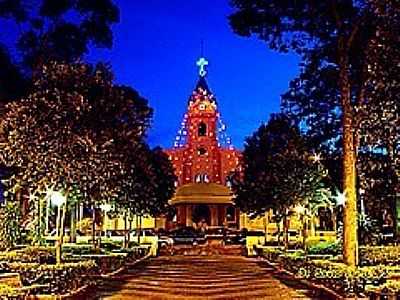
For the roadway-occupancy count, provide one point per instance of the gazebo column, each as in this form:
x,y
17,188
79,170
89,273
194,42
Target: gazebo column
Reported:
x,y
189,221
214,215
181,214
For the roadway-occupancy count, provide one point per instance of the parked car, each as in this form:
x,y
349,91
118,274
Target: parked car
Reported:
x,y
215,233
235,237
165,241
187,235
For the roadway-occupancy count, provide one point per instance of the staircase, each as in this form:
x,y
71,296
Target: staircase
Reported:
x,y
202,277
203,250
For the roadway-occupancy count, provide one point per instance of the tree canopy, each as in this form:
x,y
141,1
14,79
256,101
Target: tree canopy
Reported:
x,y
278,170
74,132
59,30
334,39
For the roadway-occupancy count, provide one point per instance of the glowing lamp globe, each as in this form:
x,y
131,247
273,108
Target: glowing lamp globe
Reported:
x,y
57,198
340,199
300,209
105,207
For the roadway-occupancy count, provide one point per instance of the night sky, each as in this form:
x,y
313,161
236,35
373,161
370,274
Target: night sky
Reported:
x,y
155,50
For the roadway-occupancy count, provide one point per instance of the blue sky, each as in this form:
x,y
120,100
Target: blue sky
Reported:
x,y
156,46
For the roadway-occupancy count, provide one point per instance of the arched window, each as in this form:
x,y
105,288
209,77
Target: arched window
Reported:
x,y
201,151
201,178
202,130
205,178
197,178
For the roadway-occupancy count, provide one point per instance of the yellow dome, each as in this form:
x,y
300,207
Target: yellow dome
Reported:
x,y
212,189
202,193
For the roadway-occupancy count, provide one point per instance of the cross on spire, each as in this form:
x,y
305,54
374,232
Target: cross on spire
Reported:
x,y
202,63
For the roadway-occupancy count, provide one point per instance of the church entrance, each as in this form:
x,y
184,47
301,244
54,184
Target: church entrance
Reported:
x,y
201,215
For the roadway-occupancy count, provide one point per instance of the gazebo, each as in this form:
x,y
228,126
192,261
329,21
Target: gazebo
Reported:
x,y
208,203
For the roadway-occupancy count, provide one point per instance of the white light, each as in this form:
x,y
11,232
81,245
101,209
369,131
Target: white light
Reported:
x,y
57,198
105,207
300,209
316,157
340,198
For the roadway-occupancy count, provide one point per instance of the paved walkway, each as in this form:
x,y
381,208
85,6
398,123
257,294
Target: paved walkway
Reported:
x,y
201,277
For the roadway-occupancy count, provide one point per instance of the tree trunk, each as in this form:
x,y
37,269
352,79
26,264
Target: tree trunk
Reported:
x,y
285,231
140,228
125,228
73,223
304,231
61,237
94,226
58,242
266,219
350,242
130,226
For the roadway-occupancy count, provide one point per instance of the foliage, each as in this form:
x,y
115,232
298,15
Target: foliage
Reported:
x,y
385,255
357,40
13,85
390,287
336,39
324,248
70,132
346,280
60,278
11,293
278,170
9,228
29,255
149,182
48,33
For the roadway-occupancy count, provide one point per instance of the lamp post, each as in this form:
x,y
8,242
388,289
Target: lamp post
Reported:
x,y
105,207
58,199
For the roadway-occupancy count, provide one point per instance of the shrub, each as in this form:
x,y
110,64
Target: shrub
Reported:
x,y
272,253
60,278
389,287
373,255
29,254
325,248
338,276
8,292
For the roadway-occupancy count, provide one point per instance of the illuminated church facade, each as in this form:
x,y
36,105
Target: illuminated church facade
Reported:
x,y
203,159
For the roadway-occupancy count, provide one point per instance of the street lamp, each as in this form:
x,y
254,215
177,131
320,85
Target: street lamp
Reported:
x,y
340,199
105,207
58,199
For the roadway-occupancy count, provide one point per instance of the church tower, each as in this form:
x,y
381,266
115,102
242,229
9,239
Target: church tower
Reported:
x,y
202,152
203,158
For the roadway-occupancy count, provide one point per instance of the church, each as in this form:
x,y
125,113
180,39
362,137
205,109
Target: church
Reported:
x,y
203,159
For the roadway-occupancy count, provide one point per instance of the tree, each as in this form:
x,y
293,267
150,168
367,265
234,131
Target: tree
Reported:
x,y
49,33
326,33
278,171
67,135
